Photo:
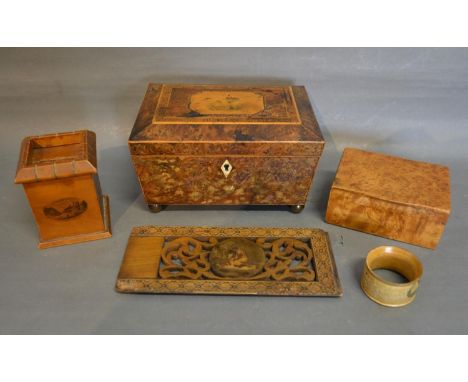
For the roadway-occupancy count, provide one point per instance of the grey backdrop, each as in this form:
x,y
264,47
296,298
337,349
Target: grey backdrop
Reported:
x,y
408,102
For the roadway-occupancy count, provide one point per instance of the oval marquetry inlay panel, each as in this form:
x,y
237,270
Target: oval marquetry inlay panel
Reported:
x,y
226,102
67,208
237,258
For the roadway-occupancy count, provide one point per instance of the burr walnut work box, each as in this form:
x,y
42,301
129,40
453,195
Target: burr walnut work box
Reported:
x,y
59,175
392,197
225,145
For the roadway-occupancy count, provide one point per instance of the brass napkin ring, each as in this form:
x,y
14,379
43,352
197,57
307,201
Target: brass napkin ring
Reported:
x,y
385,292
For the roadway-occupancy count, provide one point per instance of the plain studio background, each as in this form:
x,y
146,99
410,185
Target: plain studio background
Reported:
x,y
407,102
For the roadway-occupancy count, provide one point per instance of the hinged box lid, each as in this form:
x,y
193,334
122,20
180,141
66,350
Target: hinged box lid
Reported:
x,y
394,179
392,197
54,156
226,118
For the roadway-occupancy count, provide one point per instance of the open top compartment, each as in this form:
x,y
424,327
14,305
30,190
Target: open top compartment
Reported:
x,y
56,156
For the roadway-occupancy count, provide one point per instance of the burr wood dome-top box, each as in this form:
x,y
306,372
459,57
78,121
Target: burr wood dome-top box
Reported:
x,y
225,145
391,197
59,176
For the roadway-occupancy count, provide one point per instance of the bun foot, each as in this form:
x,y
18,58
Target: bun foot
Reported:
x,y
297,208
155,207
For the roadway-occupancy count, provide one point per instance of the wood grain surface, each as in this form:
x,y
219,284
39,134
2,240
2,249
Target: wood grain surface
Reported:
x,y
189,260
59,176
184,133
391,197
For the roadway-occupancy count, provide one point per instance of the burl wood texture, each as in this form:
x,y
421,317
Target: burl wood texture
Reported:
x,y
199,180
59,176
391,197
225,260
184,133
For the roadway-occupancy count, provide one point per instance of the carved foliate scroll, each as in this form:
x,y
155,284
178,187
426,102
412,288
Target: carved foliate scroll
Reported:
x,y
269,261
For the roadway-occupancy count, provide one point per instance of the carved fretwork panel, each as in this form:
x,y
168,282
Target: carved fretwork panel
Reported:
x,y
270,261
285,259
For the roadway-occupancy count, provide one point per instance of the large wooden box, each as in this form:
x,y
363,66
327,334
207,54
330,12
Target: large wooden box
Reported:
x,y
391,197
225,145
59,176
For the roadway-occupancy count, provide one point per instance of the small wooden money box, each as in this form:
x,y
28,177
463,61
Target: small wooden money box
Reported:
x,y
225,145
392,197
59,176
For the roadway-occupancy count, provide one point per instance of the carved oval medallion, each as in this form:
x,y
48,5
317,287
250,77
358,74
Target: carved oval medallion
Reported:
x,y
65,208
237,258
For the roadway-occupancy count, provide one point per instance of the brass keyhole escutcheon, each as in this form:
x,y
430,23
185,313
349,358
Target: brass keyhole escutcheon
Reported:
x,y
226,168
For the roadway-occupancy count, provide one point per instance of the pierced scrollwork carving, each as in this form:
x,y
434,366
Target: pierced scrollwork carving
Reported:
x,y
271,261
186,258
287,259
